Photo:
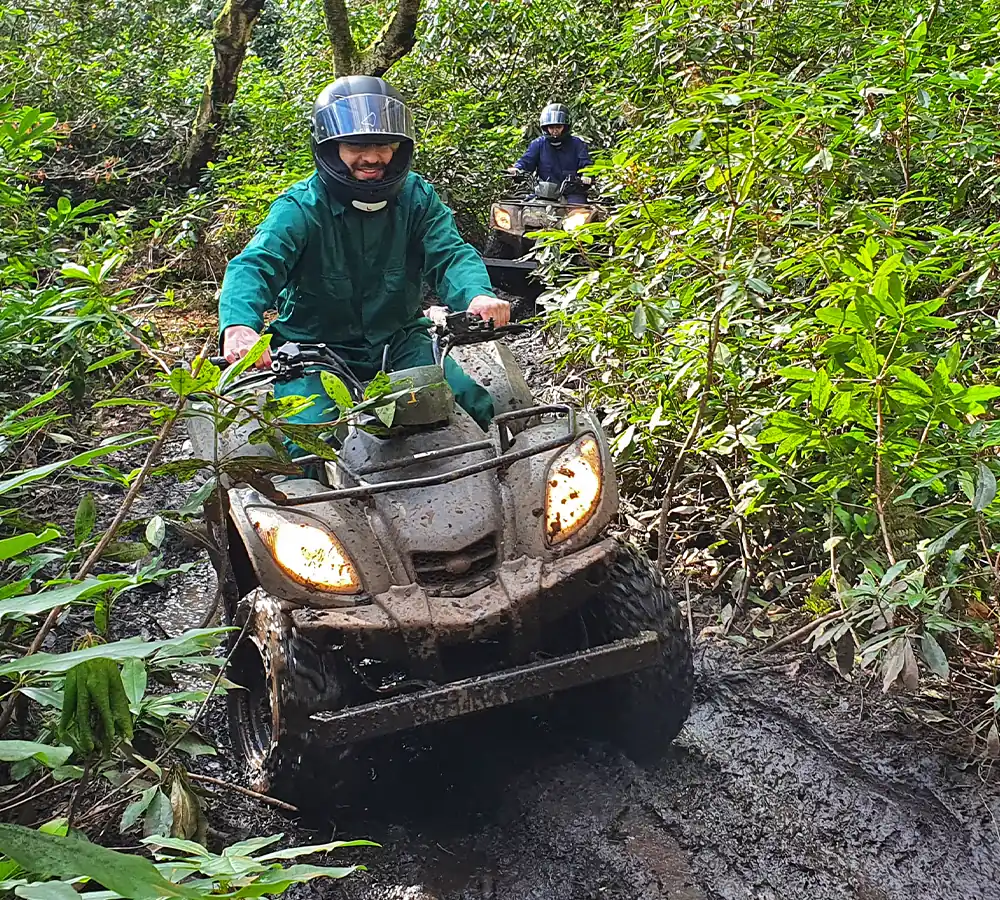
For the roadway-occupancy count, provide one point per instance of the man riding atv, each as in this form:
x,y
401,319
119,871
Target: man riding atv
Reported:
x,y
547,192
342,253
437,567
557,154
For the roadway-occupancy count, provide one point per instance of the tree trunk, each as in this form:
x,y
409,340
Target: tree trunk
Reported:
x,y
391,45
338,28
233,29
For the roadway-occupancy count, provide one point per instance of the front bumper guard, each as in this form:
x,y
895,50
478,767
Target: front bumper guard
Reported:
x,y
471,695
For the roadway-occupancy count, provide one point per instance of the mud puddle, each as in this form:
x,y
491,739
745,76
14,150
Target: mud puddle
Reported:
x,y
776,790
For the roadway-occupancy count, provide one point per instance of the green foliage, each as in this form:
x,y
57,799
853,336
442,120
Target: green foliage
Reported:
x,y
806,212
186,869
69,857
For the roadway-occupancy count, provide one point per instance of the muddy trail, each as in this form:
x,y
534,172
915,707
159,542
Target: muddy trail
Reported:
x,y
786,783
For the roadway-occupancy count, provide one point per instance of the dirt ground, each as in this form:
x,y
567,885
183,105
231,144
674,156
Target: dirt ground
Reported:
x,y
786,783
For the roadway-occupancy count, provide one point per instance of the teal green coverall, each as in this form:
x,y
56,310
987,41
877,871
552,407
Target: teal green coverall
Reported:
x,y
352,280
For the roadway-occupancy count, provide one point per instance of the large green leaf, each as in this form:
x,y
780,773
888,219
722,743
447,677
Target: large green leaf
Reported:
x,y
22,543
48,755
337,391
134,877
189,643
986,487
49,890
43,601
81,459
86,516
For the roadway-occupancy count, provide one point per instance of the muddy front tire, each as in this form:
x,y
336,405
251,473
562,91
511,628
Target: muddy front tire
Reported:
x,y
645,710
268,718
494,248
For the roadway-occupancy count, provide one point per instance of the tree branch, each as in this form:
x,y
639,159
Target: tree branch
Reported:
x,y
394,42
338,28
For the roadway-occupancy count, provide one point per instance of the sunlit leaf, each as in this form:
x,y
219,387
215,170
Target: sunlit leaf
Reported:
x,y
986,487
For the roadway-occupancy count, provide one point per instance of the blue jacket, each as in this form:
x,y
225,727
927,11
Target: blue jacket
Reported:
x,y
554,163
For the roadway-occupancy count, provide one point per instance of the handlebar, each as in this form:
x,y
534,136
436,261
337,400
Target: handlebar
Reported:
x,y
290,360
461,329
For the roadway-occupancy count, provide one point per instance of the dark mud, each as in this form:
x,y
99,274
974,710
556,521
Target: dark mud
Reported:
x,y
781,787
774,791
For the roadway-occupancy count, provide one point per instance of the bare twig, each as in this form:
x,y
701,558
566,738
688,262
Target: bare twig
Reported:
x,y
145,348
744,539
799,633
713,339
879,495
687,596
668,494
833,566
930,21
30,793
78,788
106,538
239,789
957,283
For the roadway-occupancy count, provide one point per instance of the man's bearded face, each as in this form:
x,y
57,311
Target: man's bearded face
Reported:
x,y
367,162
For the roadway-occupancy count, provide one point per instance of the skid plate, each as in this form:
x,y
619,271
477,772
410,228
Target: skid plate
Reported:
x,y
459,698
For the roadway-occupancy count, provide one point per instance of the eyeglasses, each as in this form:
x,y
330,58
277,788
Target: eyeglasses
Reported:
x,y
360,148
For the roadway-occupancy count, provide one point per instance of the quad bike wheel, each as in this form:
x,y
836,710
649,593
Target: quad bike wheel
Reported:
x,y
644,710
494,248
268,724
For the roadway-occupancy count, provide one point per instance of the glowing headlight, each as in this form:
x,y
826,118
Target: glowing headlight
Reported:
x,y
306,553
501,219
573,489
575,220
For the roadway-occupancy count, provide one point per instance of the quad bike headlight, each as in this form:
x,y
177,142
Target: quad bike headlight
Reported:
x,y
573,489
501,218
307,553
576,220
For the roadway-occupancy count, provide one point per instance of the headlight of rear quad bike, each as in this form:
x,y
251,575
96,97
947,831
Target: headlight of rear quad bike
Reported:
x,y
307,553
501,218
576,220
573,489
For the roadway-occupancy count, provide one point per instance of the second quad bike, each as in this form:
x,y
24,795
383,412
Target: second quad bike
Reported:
x,y
433,571
531,207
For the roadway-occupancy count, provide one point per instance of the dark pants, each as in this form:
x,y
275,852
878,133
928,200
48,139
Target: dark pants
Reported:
x,y
406,350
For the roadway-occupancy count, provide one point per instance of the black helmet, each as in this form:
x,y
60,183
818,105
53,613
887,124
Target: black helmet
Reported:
x,y
361,109
555,114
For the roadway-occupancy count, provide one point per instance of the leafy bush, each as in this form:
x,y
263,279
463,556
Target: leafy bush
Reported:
x,y
795,290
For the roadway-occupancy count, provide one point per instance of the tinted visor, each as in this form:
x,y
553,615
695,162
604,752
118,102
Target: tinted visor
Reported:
x,y
554,115
363,119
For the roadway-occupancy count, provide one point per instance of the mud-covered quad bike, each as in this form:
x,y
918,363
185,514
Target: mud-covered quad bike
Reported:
x,y
436,570
531,206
